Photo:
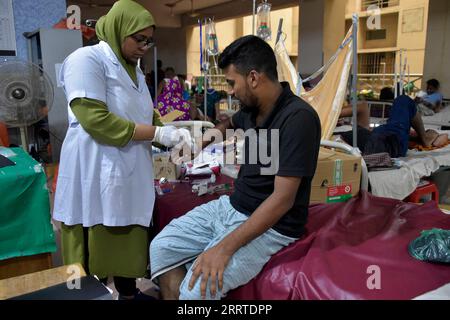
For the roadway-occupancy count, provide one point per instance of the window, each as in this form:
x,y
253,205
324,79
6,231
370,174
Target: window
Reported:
x,y
376,63
376,34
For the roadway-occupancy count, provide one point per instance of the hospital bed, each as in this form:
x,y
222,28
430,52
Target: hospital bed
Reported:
x,y
355,250
399,183
347,243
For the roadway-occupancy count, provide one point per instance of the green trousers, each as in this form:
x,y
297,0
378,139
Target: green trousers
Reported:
x,y
107,251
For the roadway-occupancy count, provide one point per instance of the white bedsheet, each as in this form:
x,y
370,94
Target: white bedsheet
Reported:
x,y
400,183
437,120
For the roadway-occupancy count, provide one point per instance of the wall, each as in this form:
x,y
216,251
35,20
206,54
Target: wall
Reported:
x,y
30,15
230,30
334,27
352,6
311,28
290,18
437,55
322,30
389,22
171,44
227,31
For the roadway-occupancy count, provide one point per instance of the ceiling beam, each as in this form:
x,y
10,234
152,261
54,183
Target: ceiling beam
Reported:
x,y
233,9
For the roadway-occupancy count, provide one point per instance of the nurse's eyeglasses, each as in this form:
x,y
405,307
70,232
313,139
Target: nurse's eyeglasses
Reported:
x,y
143,42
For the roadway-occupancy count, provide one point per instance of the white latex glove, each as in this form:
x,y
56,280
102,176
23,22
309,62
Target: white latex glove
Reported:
x,y
184,137
169,136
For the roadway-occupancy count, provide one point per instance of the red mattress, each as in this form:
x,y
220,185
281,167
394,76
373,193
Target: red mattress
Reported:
x,y
343,246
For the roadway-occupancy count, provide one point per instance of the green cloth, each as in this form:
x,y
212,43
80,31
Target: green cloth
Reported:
x,y
125,18
104,127
25,227
107,251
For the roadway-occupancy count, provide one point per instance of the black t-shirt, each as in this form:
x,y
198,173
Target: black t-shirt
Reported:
x,y
299,140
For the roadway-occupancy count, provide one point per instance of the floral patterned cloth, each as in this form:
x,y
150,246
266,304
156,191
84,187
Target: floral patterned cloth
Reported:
x,y
171,99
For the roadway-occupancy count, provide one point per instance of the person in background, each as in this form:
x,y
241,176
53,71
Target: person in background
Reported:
x,y
170,97
393,137
431,102
387,94
185,87
105,191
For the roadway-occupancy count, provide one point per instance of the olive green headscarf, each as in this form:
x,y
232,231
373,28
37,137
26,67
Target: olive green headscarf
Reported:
x,y
125,18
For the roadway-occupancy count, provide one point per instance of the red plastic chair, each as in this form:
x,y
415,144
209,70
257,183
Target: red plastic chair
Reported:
x,y
423,190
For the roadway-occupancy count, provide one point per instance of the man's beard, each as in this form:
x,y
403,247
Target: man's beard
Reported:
x,y
247,109
251,106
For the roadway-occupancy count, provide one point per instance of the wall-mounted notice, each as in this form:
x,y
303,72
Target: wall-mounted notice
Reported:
x,y
7,32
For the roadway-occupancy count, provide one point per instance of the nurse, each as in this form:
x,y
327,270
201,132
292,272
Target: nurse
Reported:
x,y
105,192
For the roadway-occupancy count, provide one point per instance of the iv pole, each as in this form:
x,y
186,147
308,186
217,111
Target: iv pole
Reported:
x,y
155,67
355,79
254,13
204,69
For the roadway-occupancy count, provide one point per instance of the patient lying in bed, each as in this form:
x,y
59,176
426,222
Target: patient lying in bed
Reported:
x,y
393,137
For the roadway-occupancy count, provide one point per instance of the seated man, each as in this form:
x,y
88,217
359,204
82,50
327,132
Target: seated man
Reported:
x,y
431,102
225,243
393,137
387,94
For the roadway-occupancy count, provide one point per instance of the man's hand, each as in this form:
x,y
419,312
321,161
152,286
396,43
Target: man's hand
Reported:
x,y
210,264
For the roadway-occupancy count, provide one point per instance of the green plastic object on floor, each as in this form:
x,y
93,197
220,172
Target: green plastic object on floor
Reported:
x,y
432,245
25,227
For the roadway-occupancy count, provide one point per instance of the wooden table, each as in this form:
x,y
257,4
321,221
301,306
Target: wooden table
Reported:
x,y
16,286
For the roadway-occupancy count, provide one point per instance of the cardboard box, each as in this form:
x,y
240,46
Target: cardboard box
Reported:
x,y
337,178
163,167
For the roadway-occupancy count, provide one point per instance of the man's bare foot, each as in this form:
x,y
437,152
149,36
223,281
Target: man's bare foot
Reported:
x,y
440,141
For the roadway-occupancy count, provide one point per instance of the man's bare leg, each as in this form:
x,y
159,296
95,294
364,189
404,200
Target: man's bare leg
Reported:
x,y
169,283
427,137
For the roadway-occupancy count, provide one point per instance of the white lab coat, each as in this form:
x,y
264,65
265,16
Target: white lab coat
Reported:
x,y
100,184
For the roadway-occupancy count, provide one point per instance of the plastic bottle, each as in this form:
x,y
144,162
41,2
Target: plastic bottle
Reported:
x,y
165,185
263,15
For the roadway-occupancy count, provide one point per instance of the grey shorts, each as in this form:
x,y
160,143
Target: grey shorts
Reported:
x,y
181,241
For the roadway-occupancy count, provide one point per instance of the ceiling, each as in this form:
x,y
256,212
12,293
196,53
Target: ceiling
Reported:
x,y
166,12
179,13
179,6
